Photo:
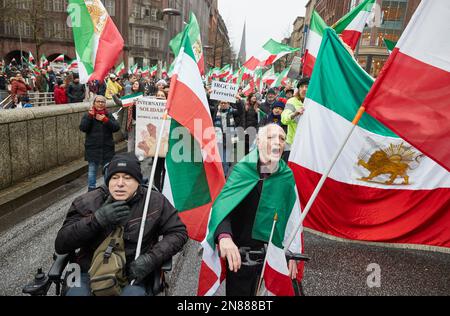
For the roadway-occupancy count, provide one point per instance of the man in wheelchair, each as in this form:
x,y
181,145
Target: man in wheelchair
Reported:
x,y
93,216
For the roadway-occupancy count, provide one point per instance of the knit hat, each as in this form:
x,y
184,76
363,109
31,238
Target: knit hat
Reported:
x,y
278,104
126,163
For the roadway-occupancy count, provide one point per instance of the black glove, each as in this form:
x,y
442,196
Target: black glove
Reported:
x,y
112,213
140,268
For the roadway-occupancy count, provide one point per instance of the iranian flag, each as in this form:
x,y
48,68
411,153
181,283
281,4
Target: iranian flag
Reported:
x,y
154,71
258,79
390,45
281,79
59,59
225,71
351,25
73,65
411,95
30,58
381,189
130,99
196,44
164,71
269,76
249,88
120,69
145,71
314,39
194,174
98,43
242,180
43,62
134,69
271,52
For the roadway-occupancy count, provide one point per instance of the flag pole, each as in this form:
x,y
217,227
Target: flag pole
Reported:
x,y
324,177
149,190
275,219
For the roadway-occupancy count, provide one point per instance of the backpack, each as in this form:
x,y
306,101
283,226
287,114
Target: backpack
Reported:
x,y
107,271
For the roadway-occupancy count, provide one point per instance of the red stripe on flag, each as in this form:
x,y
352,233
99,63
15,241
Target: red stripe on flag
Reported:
x,y
350,37
207,279
109,47
308,64
185,115
201,64
252,63
381,215
196,221
277,283
412,98
270,60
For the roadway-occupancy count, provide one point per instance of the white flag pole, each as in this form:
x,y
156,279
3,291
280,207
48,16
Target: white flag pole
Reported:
x,y
323,178
275,219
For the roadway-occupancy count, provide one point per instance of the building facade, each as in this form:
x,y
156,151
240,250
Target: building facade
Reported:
x,y
42,27
371,51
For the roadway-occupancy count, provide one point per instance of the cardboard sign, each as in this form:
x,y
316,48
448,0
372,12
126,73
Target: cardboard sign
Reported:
x,y
149,119
223,91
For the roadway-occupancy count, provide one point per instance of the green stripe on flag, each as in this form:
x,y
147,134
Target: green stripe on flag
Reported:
x,y
318,25
340,25
188,180
275,48
83,32
349,87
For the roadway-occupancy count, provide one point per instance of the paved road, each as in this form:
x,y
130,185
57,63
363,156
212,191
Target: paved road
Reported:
x,y
336,268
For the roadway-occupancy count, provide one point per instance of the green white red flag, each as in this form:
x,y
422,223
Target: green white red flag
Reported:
x,y
134,69
194,180
270,53
120,69
145,71
73,65
196,44
281,79
98,42
421,63
154,71
59,59
130,99
349,27
242,180
269,76
43,62
381,189
30,58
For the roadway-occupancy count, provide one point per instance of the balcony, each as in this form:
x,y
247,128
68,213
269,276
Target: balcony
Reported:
x,y
147,21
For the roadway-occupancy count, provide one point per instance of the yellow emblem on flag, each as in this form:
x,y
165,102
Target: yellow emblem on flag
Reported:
x,y
394,160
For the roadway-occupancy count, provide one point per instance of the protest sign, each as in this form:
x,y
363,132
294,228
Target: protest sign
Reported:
x,y
223,91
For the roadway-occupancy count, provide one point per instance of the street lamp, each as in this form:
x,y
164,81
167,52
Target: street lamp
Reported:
x,y
169,12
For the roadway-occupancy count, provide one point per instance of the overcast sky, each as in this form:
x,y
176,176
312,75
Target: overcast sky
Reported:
x,y
265,19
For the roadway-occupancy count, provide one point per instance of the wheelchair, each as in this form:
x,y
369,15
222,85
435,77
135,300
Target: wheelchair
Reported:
x,y
156,282
58,274
253,258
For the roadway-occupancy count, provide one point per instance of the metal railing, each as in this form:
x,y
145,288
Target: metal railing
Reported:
x,y
6,103
41,98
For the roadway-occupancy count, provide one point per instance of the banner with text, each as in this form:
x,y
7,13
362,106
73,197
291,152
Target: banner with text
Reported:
x,y
149,119
223,91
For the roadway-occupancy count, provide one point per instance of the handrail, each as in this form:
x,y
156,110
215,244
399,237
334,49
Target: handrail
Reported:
x,y
5,102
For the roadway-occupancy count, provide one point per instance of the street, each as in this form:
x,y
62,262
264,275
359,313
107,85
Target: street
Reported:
x,y
336,268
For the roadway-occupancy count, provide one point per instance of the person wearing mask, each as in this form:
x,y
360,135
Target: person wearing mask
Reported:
x,y
76,92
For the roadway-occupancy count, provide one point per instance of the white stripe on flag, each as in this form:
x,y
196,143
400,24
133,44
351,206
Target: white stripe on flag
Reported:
x,y
314,42
358,23
424,38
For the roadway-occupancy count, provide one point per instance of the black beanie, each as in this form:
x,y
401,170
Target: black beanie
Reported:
x,y
126,163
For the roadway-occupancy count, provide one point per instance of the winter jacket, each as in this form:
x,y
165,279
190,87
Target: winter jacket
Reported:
x,y
76,92
82,230
292,105
269,119
19,88
99,144
42,83
60,95
112,88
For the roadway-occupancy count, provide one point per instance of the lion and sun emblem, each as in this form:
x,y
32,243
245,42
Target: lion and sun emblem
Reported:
x,y
386,164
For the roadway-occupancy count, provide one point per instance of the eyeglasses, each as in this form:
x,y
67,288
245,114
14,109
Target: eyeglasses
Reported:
x,y
104,102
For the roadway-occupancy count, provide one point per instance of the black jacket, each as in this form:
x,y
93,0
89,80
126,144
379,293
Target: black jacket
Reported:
x,y
76,92
81,229
99,143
